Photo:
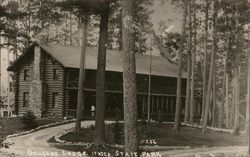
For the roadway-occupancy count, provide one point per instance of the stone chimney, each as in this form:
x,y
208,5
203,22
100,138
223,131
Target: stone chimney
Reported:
x,y
36,85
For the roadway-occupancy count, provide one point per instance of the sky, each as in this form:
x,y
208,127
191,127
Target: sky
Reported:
x,y
168,13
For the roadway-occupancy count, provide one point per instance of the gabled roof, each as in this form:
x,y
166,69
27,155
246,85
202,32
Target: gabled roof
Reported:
x,y
69,57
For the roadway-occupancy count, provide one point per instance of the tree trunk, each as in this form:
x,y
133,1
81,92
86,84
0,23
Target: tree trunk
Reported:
x,y
224,93
80,98
205,63
247,107
178,91
29,26
131,143
210,80
191,118
0,67
79,32
70,30
248,95
210,112
65,28
227,99
100,81
187,101
232,109
214,97
237,101
221,113
237,78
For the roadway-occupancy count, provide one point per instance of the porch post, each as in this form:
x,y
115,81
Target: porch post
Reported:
x,y
157,104
171,105
143,103
152,105
166,104
162,101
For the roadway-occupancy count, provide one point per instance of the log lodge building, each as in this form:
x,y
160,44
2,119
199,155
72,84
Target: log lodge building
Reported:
x,y
46,82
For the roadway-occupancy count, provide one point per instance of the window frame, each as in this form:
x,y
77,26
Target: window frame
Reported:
x,y
26,74
55,74
55,99
26,99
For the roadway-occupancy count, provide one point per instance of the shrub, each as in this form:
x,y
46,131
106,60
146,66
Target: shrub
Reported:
x,y
1,134
3,143
28,120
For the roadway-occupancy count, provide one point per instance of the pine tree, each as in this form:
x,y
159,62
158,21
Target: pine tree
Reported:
x,y
180,53
225,79
131,144
100,79
204,82
214,96
247,126
191,118
189,60
212,62
80,98
237,77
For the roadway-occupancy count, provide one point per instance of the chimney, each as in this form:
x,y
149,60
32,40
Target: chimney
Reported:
x,y
36,85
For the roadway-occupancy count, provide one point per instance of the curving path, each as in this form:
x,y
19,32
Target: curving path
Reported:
x,y
36,142
35,145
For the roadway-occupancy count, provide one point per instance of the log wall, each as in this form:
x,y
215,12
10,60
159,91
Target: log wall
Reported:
x,y
22,85
51,85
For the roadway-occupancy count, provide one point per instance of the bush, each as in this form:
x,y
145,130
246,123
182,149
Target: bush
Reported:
x,y
29,120
2,136
3,143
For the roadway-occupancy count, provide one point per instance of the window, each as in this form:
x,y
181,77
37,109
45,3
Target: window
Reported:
x,y
26,74
55,100
26,99
11,87
55,74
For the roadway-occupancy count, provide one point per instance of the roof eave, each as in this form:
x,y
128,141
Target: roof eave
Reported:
x,y
13,65
51,54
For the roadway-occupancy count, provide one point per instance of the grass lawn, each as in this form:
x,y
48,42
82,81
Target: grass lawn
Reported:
x,y
14,125
163,135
